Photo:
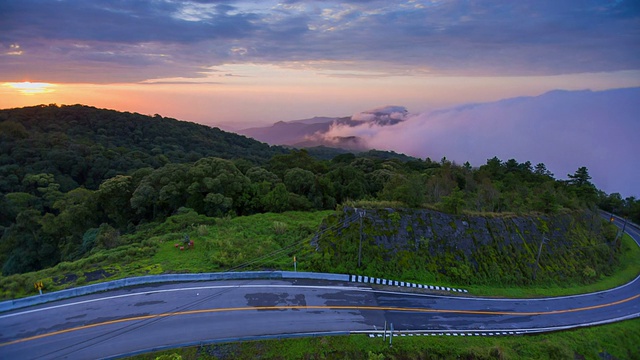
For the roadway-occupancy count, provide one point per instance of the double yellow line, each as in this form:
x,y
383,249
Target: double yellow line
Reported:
x,y
321,307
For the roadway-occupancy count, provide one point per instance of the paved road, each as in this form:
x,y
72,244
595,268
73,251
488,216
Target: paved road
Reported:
x,y
143,318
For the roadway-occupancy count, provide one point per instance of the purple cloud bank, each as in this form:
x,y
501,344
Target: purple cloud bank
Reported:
x,y
115,41
563,129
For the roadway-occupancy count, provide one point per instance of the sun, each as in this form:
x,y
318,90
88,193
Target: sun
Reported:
x,y
29,88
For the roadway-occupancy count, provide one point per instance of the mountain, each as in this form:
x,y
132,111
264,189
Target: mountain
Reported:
x,y
312,132
291,132
83,146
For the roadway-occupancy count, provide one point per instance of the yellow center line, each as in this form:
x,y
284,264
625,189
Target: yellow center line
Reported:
x,y
322,307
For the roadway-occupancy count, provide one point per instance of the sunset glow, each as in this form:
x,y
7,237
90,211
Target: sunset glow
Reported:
x,y
29,88
242,62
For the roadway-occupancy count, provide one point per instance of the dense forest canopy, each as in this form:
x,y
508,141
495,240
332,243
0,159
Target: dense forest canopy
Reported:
x,y
74,178
83,146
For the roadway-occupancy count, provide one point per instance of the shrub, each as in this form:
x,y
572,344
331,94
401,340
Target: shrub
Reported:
x,y
279,227
203,230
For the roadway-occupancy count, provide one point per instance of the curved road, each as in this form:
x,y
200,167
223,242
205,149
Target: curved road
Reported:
x,y
170,315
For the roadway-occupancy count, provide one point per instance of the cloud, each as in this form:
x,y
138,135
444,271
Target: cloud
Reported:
x,y
565,130
159,39
382,114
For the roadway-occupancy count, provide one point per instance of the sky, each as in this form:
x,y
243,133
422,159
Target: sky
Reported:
x,y
241,63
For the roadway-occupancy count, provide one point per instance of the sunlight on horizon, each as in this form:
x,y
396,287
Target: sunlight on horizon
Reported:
x,y
245,95
29,88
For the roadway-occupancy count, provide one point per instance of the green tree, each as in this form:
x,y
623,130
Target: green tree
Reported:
x,y
14,203
258,174
279,164
541,170
114,197
494,168
546,199
21,243
348,183
580,178
216,187
160,192
583,188
408,190
277,200
43,186
453,203
300,181
377,179
77,213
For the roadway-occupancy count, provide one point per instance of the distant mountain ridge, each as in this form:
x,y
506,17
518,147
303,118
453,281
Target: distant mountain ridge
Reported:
x,y
290,132
311,132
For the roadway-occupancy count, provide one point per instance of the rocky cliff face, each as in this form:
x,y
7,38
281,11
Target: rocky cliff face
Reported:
x,y
465,247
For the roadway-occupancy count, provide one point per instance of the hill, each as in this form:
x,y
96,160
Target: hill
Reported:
x,y
83,146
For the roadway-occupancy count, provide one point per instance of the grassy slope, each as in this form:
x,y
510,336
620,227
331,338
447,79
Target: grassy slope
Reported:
x,y
220,245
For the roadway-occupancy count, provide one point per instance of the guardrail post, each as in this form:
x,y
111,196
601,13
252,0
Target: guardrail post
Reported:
x,y
384,337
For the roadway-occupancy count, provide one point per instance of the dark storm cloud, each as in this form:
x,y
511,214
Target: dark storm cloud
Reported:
x,y
163,38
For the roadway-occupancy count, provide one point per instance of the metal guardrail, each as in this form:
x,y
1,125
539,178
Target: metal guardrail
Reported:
x,y
153,279
167,278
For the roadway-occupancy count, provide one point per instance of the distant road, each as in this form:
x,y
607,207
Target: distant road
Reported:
x,y
632,229
172,315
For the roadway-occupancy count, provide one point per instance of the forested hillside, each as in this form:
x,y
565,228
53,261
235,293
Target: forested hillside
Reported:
x,y
83,146
74,179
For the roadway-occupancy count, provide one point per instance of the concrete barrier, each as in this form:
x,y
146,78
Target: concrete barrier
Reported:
x,y
154,279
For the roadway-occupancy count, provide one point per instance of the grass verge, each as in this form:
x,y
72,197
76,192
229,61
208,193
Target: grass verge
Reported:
x,y
613,341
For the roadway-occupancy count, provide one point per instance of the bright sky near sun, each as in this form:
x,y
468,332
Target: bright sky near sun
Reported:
x,y
237,63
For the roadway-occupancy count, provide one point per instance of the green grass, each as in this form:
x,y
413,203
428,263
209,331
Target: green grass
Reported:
x,y
621,340
220,244
233,243
627,270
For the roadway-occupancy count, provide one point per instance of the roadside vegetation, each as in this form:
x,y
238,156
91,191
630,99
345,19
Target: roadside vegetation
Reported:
x,y
257,242
613,341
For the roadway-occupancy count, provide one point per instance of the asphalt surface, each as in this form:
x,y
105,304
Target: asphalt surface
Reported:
x,y
170,315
